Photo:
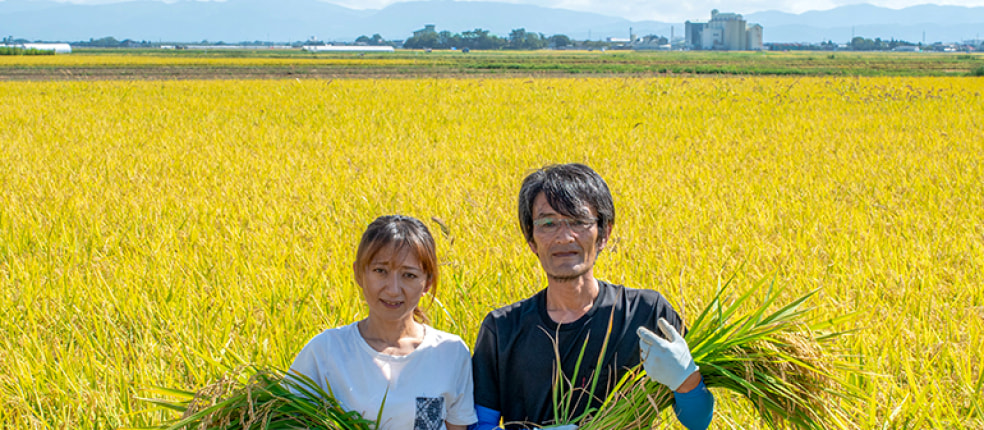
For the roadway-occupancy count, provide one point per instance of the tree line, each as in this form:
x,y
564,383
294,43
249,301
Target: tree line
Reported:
x,y
862,44
11,50
482,39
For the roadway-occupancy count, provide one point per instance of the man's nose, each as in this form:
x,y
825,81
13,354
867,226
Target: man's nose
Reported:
x,y
565,232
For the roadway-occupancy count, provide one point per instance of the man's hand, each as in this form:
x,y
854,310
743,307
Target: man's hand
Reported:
x,y
561,427
666,362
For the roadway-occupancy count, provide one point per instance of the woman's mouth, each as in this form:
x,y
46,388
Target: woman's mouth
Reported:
x,y
391,304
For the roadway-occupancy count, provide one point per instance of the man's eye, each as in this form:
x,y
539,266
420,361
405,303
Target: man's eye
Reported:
x,y
548,223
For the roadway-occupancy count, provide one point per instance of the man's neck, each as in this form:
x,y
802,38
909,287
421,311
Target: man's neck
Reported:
x,y
570,299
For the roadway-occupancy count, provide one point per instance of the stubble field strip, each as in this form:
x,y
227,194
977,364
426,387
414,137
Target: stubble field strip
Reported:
x,y
101,64
151,232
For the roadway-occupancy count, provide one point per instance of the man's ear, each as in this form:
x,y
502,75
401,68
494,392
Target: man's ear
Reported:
x,y
604,241
532,246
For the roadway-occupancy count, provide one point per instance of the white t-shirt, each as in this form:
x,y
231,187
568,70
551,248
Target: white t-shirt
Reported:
x,y
426,387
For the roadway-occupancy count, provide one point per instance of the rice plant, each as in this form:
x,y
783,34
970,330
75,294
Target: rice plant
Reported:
x,y
777,360
150,229
267,399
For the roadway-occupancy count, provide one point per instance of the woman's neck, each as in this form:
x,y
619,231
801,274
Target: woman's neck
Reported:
x,y
392,337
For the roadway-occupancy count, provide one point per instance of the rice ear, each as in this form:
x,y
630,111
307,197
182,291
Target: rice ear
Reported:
x,y
780,361
268,399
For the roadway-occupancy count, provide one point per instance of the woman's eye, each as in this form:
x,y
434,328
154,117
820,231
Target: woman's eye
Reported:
x,y
379,270
410,275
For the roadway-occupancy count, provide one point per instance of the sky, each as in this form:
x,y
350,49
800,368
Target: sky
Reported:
x,y
662,10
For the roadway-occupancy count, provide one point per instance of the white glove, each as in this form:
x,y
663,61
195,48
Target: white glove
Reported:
x,y
560,427
666,362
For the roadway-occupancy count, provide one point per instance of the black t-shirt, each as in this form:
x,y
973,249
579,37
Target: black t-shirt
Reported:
x,y
514,362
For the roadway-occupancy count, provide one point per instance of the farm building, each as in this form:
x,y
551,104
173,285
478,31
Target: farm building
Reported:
x,y
59,48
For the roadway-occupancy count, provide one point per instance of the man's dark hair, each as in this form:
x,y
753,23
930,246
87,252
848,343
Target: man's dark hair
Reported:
x,y
568,187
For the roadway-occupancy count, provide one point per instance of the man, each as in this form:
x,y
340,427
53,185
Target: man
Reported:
x,y
566,213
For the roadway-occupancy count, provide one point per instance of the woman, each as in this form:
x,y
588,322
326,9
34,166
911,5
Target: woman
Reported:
x,y
424,374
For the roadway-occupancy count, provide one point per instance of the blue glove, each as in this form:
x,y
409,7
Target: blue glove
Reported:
x,y
666,362
561,427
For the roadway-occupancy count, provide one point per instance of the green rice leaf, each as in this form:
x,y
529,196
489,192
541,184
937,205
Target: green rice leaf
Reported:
x,y
772,354
251,397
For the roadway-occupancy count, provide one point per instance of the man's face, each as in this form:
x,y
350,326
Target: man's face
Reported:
x,y
566,251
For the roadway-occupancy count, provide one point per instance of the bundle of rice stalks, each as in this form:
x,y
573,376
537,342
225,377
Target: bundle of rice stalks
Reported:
x,y
780,361
249,397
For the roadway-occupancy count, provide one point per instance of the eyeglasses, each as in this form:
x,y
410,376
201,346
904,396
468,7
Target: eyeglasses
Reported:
x,y
552,225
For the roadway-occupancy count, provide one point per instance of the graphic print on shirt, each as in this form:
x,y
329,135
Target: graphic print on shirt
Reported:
x,y
430,411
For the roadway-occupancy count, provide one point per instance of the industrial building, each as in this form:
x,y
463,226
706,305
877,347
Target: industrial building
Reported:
x,y
725,32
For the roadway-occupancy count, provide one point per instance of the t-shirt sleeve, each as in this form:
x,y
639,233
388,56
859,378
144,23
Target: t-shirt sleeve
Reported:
x,y
663,309
485,366
461,410
307,363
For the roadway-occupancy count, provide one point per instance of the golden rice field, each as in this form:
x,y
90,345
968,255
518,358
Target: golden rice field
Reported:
x,y
144,64
199,60
152,232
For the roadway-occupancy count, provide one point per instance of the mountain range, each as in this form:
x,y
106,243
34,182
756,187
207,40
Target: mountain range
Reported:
x,y
291,20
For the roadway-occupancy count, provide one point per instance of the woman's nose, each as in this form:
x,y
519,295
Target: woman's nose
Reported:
x,y
393,282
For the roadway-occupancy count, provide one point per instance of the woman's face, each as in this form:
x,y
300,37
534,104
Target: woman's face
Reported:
x,y
393,283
